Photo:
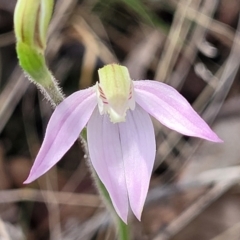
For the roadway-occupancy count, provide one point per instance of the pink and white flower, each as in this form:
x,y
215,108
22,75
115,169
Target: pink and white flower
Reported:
x,y
120,132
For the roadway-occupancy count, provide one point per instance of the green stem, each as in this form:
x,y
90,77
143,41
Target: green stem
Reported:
x,y
51,91
123,229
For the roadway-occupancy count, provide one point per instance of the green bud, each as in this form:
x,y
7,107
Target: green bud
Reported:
x,y
31,20
33,64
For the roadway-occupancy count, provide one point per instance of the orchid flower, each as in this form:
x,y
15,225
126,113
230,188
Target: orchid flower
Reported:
x,y
120,132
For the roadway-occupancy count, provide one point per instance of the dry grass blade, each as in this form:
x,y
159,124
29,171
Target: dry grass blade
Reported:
x,y
194,210
171,49
94,49
88,228
232,233
3,231
11,95
138,59
6,39
18,195
220,30
228,74
190,51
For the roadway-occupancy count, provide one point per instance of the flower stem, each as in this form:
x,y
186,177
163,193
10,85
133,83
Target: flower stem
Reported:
x,y
122,228
51,91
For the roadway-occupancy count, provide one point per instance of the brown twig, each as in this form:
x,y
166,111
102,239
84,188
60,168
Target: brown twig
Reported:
x,y
18,195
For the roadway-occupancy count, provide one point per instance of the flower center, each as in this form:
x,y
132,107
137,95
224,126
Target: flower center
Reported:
x,y
115,92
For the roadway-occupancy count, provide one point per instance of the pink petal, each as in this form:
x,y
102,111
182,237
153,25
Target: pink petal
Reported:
x,y
138,149
64,127
171,109
106,156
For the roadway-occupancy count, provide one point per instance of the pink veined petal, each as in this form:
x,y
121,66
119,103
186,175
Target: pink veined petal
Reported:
x,y
171,109
64,127
139,149
105,153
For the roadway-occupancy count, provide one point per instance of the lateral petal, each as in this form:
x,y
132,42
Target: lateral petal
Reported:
x,y
139,149
171,109
105,152
64,127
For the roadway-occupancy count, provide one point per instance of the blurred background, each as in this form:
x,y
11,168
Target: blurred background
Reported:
x,y
192,45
